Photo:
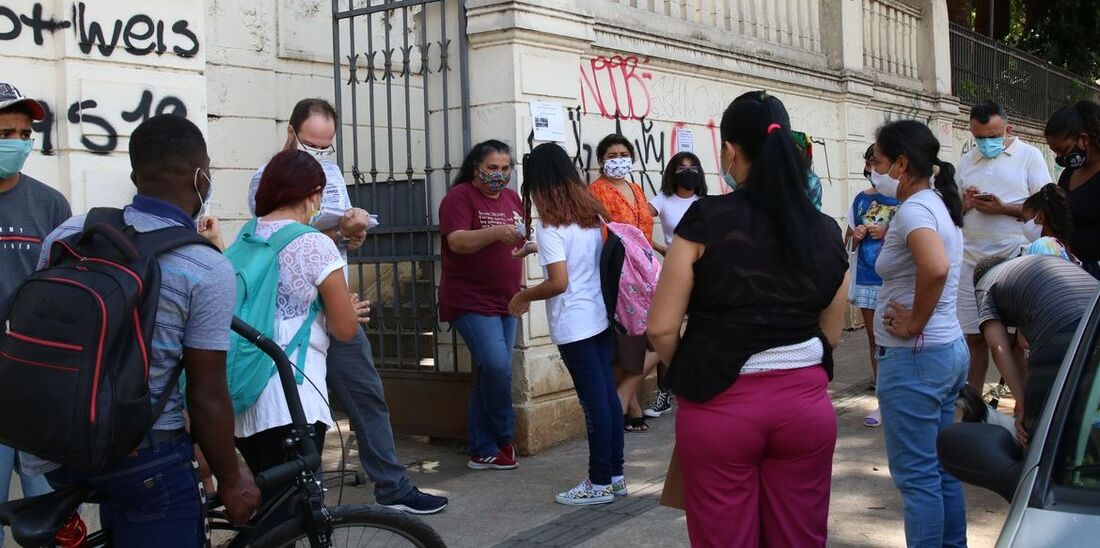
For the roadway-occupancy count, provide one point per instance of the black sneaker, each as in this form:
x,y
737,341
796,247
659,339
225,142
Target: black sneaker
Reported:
x,y
661,405
418,502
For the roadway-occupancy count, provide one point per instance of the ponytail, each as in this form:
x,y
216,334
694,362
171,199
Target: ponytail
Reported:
x,y
944,182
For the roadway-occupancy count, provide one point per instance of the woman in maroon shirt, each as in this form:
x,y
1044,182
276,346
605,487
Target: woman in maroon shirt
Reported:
x,y
479,222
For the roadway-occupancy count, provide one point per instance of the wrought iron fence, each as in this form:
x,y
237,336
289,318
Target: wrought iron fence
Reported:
x,y
982,68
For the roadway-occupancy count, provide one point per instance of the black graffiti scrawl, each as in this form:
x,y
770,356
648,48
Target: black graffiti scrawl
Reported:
x,y
139,34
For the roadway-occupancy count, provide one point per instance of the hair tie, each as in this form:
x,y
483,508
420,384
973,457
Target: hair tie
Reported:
x,y
773,127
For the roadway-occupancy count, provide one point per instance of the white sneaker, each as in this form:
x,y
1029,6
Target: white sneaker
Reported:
x,y
585,494
619,489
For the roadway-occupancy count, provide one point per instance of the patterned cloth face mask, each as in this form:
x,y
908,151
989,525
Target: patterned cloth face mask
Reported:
x,y
617,168
495,181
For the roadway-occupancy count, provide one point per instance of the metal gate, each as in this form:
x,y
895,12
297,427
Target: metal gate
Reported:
x,y
401,88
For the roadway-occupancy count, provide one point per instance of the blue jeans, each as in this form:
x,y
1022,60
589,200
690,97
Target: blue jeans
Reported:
x,y
492,421
589,363
152,498
354,381
917,392
32,484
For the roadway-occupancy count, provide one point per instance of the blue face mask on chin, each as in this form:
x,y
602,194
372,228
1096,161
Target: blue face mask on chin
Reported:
x,y
13,154
991,147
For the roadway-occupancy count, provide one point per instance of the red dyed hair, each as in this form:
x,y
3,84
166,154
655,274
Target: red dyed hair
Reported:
x,y
290,177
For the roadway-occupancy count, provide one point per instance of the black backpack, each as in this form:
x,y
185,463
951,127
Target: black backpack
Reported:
x,y
74,351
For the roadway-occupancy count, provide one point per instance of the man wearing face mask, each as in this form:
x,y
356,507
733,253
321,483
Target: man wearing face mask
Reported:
x,y
996,177
29,210
352,377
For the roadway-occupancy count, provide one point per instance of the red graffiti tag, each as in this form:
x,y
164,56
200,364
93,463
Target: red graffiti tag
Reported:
x,y
616,86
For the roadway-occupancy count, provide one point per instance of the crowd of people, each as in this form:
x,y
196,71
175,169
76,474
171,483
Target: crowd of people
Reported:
x,y
751,298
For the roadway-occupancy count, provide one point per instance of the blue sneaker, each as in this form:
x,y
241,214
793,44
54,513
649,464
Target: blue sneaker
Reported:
x,y
418,502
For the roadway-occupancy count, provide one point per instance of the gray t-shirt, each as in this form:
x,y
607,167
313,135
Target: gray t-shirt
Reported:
x,y
1039,294
198,290
895,265
28,212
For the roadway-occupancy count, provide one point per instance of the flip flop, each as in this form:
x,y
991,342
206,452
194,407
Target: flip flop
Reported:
x,y
873,420
635,425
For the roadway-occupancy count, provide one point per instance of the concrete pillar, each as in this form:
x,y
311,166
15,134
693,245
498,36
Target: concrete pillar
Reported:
x,y
521,50
842,36
935,48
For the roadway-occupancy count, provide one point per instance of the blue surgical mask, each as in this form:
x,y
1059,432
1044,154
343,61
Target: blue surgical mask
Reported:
x,y
13,153
730,181
991,147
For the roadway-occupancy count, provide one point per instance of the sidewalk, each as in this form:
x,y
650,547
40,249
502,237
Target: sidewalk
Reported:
x,y
516,508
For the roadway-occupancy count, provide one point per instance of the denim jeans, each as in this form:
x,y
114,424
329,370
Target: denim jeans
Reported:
x,y
31,484
152,498
354,381
917,391
492,421
589,363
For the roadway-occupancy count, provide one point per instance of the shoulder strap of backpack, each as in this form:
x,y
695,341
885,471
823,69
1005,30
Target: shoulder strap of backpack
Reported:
x,y
282,237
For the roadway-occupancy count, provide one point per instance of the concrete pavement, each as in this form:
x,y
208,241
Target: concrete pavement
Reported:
x,y
517,508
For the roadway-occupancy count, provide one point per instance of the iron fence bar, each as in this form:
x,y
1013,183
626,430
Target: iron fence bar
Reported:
x,y
353,83
406,70
444,47
384,6
464,76
371,79
387,77
425,71
336,79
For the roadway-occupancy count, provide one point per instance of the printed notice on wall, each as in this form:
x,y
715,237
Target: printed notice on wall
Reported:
x,y
685,141
548,121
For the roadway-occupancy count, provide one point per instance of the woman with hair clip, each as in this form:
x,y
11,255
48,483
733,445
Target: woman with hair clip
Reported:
x,y
1049,227
570,240
625,202
762,277
923,358
482,242
1073,134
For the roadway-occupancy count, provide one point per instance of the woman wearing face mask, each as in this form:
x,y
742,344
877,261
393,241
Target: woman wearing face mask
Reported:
x,y
923,357
1073,134
867,221
761,275
479,220
310,270
625,203
1049,226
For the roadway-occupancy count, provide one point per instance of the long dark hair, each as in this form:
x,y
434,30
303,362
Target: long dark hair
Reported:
x,y
552,183
290,177
668,178
916,142
1052,202
759,124
1084,117
473,159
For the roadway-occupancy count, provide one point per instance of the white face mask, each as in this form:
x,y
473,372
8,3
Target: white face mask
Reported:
x,y
617,168
884,183
1032,230
204,201
321,154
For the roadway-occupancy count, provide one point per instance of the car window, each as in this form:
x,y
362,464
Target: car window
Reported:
x,y
1078,462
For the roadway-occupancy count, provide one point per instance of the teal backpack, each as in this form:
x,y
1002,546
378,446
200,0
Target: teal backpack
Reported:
x,y
256,264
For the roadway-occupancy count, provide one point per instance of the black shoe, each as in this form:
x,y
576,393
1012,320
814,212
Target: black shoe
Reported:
x,y
660,406
418,502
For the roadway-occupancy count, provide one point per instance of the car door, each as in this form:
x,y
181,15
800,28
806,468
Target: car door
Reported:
x,y
1057,502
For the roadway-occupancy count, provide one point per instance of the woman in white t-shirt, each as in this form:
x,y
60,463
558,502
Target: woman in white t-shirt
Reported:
x,y
310,268
682,184
570,238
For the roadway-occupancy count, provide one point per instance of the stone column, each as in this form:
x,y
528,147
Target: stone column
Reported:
x,y
521,50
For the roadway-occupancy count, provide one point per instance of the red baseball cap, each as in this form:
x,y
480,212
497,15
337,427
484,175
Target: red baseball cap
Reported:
x,y
11,96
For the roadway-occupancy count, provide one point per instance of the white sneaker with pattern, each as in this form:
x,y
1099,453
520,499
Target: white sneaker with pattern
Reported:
x,y
585,494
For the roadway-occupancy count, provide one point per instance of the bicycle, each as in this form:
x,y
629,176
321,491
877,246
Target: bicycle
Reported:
x,y
293,488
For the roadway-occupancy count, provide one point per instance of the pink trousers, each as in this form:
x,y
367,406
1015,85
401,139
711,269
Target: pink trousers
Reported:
x,y
757,461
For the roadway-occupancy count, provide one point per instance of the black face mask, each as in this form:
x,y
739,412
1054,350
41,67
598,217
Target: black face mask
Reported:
x,y
1073,160
689,180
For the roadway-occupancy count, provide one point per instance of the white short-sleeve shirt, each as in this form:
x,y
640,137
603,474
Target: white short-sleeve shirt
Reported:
x,y
670,209
578,313
1013,176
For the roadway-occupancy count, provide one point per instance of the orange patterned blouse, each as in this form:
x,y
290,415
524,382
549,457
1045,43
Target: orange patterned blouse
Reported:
x,y
622,211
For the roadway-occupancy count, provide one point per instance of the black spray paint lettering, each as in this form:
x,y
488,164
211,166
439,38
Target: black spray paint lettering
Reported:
x,y
140,34
79,113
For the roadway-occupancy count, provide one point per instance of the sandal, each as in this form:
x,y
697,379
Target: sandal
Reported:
x,y
873,420
635,424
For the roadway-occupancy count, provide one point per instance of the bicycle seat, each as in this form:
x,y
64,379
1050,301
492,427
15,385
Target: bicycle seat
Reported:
x,y
34,521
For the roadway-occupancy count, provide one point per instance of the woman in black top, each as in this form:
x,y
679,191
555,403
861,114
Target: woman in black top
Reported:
x,y
1073,134
762,276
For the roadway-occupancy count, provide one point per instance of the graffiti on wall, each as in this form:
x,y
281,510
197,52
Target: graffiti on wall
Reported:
x,y
138,34
616,87
98,134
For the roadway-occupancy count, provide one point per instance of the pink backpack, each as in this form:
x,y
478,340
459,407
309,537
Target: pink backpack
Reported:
x,y
628,277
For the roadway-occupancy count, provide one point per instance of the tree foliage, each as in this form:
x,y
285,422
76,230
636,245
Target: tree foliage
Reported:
x,y
1066,32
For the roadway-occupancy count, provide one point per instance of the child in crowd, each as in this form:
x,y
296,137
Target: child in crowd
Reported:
x,y
1048,227
867,221
570,239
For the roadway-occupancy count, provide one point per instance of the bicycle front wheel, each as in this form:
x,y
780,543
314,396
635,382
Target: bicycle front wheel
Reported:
x,y
359,526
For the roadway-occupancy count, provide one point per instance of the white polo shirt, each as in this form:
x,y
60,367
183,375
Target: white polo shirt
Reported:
x,y
1013,177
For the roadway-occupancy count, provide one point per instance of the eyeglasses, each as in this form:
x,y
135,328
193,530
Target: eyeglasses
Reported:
x,y
313,150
